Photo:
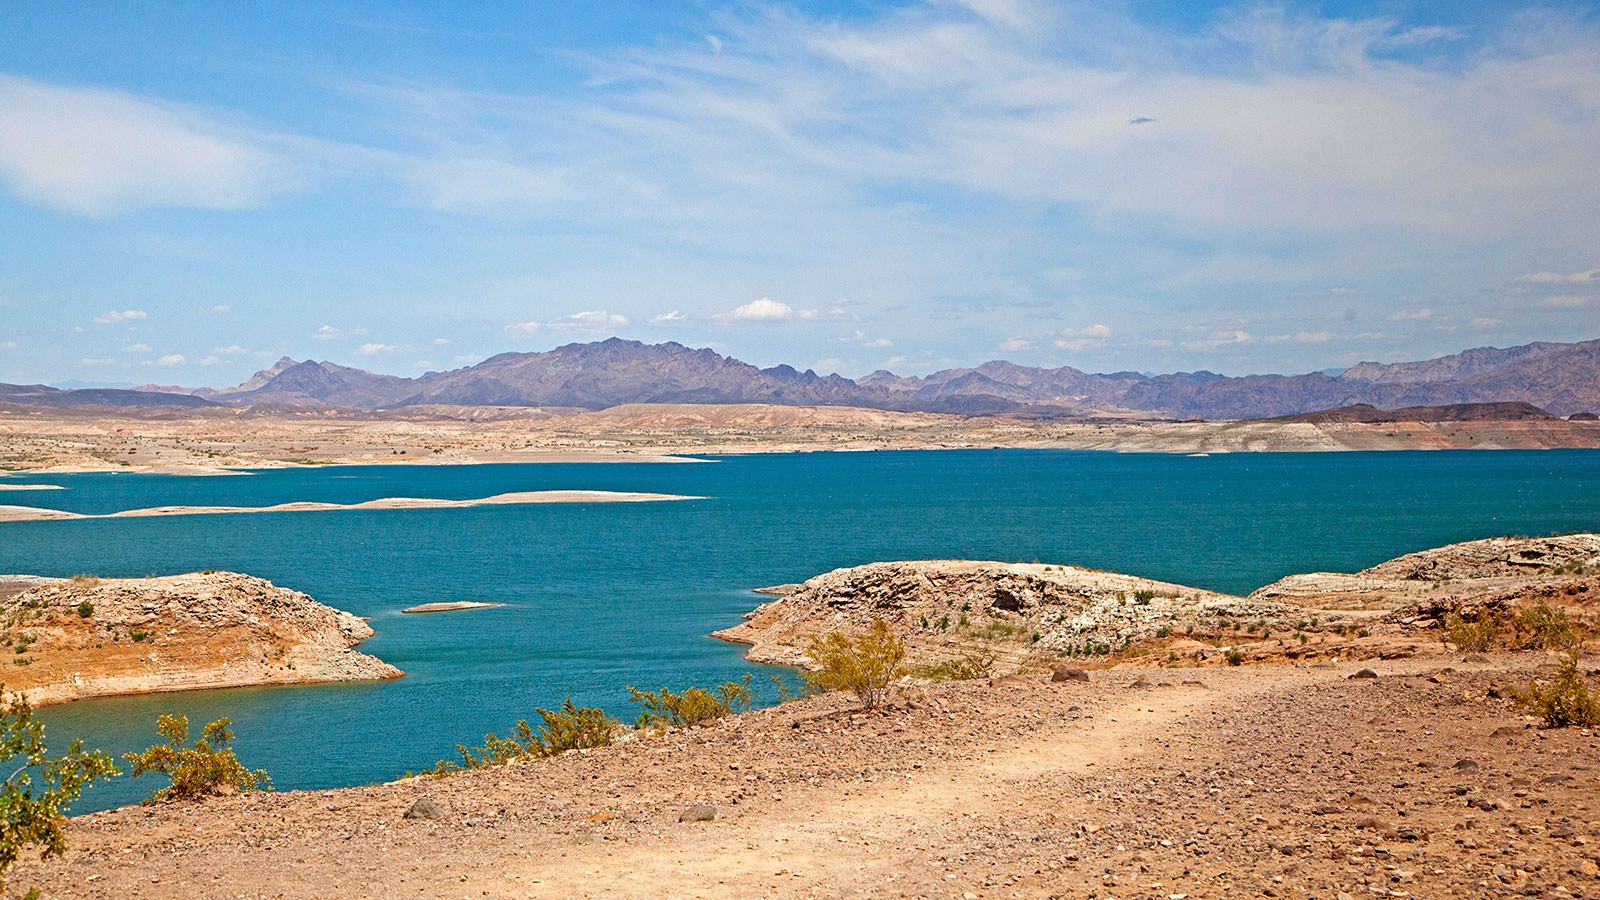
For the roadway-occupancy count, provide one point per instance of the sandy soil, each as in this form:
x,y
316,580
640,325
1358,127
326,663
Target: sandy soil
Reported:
x,y
214,441
38,514
1282,781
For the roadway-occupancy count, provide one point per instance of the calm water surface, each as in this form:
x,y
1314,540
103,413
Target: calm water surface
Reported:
x,y
602,595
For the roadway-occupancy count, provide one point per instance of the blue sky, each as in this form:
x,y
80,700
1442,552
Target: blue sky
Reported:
x,y
188,191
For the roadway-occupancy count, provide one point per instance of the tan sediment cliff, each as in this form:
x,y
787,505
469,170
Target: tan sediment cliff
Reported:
x,y
1032,616
173,633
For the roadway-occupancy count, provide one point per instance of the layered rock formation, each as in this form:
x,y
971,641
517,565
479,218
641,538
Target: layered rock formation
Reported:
x,y
1030,616
69,639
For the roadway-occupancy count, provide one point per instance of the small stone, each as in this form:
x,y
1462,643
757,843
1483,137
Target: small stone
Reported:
x,y
1467,765
698,813
1068,673
1501,872
424,809
1588,869
1364,673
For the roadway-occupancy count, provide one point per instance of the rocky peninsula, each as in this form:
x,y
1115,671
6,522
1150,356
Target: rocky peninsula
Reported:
x,y
81,637
1028,617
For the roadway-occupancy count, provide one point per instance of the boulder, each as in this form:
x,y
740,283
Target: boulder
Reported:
x,y
424,808
1068,673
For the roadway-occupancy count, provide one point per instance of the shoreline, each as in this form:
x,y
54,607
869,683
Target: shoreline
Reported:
x,y
519,498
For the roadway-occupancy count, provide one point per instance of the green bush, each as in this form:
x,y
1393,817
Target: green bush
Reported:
x,y
867,664
1476,635
1235,658
209,766
85,609
1565,700
569,728
35,796
1547,628
694,705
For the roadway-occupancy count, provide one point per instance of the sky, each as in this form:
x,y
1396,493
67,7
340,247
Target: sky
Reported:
x,y
189,191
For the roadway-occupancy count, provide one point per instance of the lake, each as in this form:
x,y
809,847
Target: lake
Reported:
x,y
598,596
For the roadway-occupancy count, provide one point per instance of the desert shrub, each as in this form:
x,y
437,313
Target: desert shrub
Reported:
x,y
1235,658
85,580
1143,598
37,792
694,705
1546,627
85,609
569,728
1473,635
866,664
573,728
208,766
1564,700
974,664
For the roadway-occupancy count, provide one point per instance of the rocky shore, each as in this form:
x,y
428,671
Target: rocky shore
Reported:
x,y
83,637
1030,616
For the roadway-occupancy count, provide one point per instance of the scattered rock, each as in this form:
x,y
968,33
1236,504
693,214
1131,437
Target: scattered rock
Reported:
x,y
698,813
424,808
1466,765
1364,673
1008,680
1068,673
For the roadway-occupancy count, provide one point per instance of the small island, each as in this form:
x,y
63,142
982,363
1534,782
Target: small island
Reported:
x,y
449,606
80,637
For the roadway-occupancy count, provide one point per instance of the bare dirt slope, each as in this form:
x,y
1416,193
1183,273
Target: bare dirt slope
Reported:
x,y
1285,781
68,639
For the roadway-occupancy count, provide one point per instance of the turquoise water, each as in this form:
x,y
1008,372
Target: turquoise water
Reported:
x,y
602,595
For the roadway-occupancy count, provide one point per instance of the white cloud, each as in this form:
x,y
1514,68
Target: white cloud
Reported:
x,y
1590,277
230,350
764,310
1566,301
1303,337
1487,324
8,345
97,361
1093,331
330,333
524,327
422,364
374,349
218,310
1405,315
1220,339
668,317
98,152
1016,343
440,342
878,343
594,318
211,360
137,348
115,316
171,359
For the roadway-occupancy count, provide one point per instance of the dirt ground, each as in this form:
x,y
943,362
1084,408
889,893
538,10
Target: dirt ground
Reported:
x,y
1274,780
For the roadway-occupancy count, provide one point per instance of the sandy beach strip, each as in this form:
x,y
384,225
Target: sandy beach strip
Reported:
x,y
519,498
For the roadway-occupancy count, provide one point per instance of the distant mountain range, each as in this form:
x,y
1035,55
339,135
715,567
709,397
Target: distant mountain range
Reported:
x,y
1560,378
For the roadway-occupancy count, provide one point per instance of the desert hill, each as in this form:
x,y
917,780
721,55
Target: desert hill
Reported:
x,y
1560,378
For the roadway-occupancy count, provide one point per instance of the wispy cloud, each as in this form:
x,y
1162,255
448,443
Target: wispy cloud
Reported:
x,y
1566,301
1590,276
115,316
374,349
330,333
668,318
97,152
1219,340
